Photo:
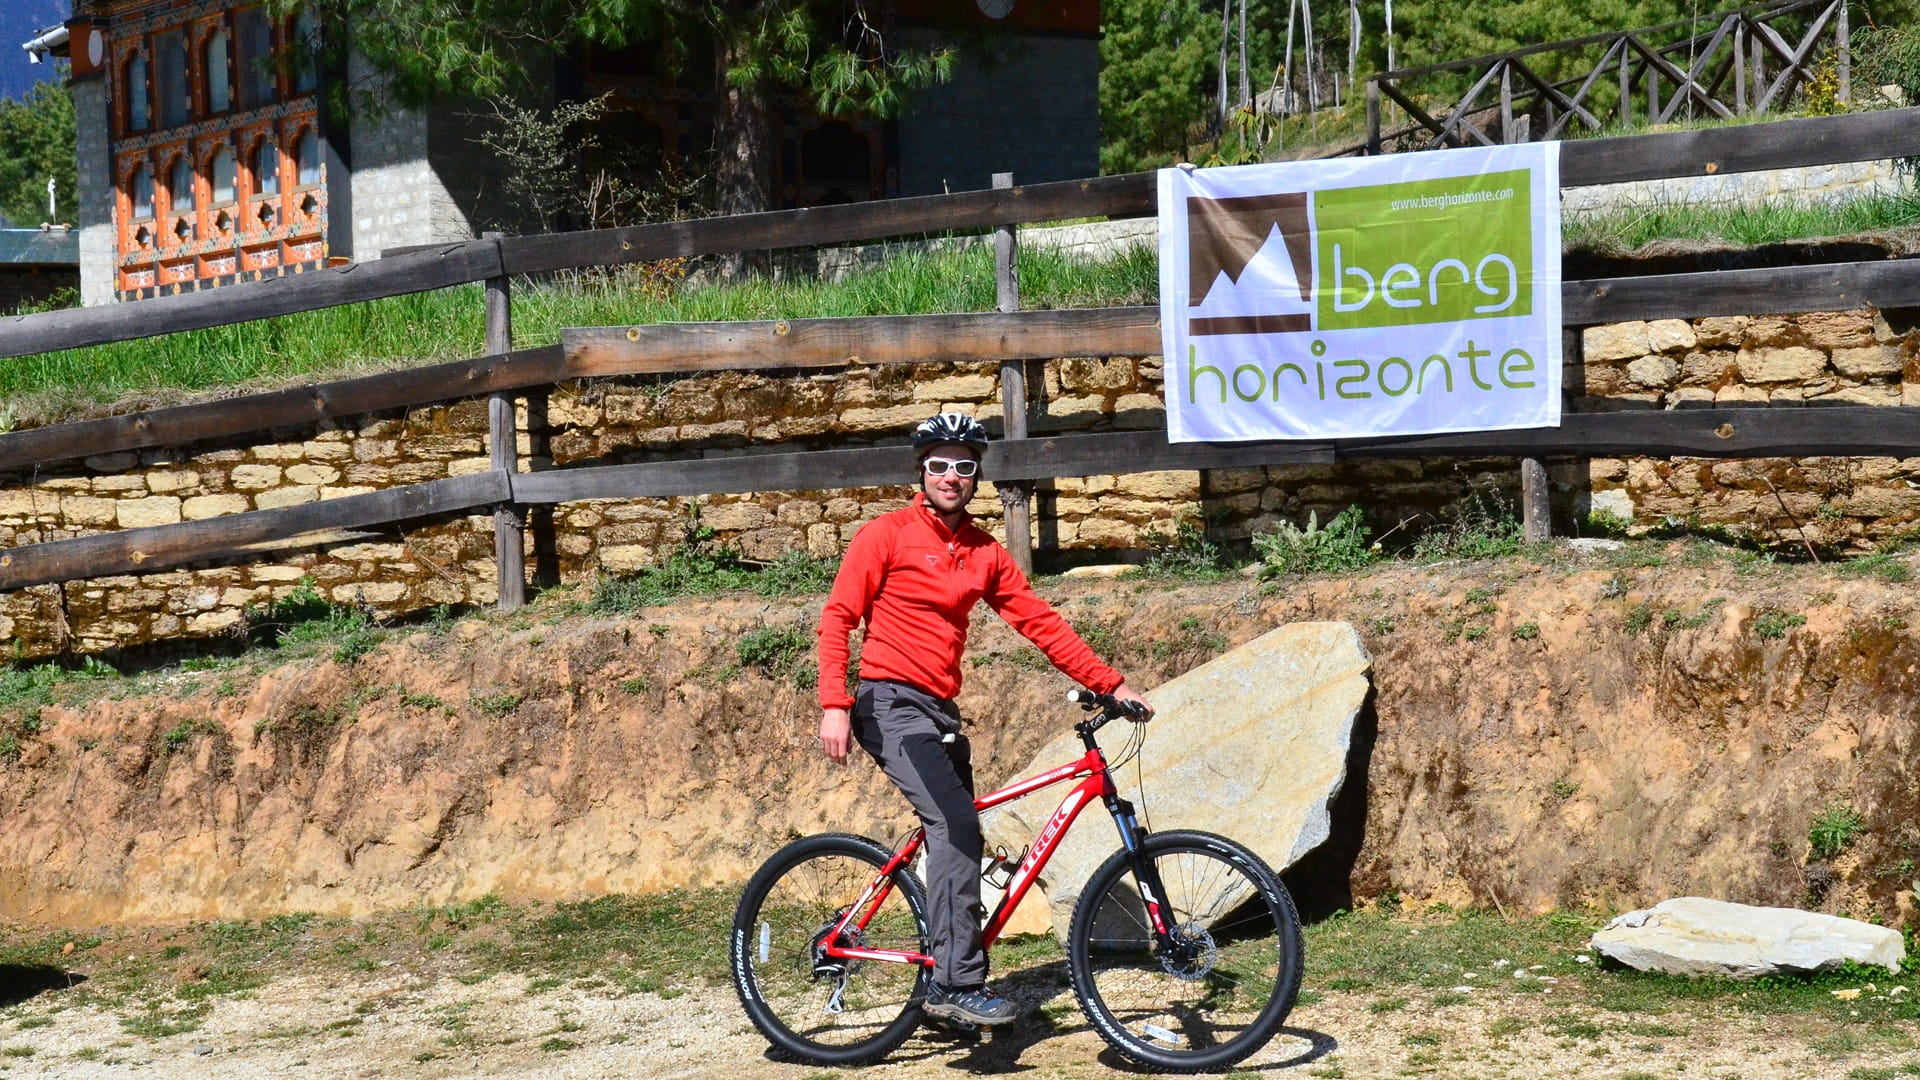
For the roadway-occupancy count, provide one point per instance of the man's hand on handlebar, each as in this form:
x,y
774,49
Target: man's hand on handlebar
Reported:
x,y
1139,710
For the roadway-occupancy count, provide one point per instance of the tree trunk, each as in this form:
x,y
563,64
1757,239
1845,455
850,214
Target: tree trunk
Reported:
x,y
744,146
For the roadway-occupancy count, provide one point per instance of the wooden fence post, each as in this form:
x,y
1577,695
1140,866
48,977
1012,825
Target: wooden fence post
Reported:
x,y
1844,92
509,520
1373,115
1016,499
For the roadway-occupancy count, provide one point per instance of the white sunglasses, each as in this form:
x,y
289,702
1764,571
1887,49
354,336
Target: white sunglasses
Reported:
x,y
937,466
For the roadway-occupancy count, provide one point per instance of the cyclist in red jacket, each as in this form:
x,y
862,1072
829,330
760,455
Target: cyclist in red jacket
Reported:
x,y
913,576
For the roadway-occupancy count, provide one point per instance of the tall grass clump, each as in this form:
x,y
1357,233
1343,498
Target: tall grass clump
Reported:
x,y
1184,554
1483,527
303,617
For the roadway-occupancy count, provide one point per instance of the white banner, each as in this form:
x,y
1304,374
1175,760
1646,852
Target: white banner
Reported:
x,y
1396,295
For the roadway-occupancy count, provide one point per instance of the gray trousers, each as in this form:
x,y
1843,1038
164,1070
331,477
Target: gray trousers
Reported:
x,y
916,739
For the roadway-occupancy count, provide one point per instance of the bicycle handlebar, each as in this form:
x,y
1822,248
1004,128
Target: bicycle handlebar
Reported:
x,y
1111,707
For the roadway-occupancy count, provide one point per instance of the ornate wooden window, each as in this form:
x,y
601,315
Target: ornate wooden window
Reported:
x,y
139,105
254,32
140,193
218,65
170,78
183,203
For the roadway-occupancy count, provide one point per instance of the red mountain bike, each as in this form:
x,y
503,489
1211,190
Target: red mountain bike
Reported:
x,y
1184,949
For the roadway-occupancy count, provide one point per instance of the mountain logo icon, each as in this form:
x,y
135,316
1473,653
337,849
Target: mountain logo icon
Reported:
x,y
1233,239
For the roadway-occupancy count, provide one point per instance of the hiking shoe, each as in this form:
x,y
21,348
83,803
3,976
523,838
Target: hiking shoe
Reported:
x,y
975,1005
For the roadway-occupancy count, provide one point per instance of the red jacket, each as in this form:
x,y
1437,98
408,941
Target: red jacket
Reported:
x,y
915,584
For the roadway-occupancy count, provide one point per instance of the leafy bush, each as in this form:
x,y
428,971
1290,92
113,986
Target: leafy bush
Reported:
x,y
1483,528
304,617
1833,831
1773,625
1604,522
783,652
1185,553
1342,545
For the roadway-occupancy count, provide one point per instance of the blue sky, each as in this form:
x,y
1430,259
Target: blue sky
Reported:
x,y
20,20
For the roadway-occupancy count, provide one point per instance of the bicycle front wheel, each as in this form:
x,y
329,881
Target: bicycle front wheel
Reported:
x,y
1230,976
820,1009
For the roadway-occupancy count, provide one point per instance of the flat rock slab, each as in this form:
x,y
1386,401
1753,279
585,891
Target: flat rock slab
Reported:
x,y
1695,936
1251,745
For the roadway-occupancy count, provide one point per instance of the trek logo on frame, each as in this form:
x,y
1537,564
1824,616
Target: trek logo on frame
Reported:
x,y
1371,296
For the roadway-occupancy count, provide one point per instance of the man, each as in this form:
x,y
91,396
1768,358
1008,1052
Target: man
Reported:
x,y
913,576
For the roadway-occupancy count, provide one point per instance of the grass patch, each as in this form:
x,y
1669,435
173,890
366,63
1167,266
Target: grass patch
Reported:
x,y
449,324
1833,831
1627,229
1184,554
699,567
304,622
780,652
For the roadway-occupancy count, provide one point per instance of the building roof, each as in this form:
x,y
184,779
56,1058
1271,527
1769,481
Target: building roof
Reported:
x,y
43,247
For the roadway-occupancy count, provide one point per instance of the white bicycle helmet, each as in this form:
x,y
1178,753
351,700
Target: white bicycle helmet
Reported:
x,y
949,428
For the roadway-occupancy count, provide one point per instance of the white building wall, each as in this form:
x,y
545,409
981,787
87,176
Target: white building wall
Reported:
x,y
90,120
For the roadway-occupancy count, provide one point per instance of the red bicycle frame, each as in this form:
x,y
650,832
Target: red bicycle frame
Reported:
x,y
1098,784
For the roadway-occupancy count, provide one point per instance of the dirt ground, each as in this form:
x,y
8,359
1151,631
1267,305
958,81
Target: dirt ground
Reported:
x,y
414,1025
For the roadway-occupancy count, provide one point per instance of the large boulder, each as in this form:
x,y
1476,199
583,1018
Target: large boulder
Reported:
x,y
1695,936
1251,745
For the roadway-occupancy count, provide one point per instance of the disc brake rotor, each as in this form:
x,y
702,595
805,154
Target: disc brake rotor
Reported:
x,y
1192,953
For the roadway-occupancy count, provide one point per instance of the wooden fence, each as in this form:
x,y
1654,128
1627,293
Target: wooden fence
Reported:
x,y
1721,71
1009,336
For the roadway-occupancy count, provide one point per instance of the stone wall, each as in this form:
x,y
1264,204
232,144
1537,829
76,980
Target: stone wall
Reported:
x,y
1850,357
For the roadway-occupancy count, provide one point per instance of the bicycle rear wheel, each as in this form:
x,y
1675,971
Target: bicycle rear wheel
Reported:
x,y
819,1009
1229,980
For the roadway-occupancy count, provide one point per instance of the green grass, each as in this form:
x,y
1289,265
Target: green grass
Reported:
x,y
1617,231
449,324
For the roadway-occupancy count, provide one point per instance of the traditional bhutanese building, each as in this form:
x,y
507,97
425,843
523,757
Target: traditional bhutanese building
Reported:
x,y
208,154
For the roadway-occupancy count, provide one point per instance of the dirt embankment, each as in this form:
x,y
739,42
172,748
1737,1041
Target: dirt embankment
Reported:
x,y
1567,733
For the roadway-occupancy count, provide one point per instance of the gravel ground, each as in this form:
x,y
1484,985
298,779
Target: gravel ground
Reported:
x,y
377,1025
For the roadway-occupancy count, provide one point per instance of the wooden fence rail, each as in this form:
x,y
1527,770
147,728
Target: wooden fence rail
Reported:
x,y
1839,430
1805,141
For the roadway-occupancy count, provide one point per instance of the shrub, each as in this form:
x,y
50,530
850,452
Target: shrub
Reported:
x,y
781,652
1484,527
1833,831
1342,545
1184,553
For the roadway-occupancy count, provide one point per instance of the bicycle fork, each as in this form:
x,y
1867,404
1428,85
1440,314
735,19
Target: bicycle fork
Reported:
x,y
1146,876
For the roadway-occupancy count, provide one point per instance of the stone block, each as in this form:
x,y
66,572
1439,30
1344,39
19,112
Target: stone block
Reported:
x,y
1655,372
625,558
1178,484
1076,407
1087,374
1721,330
953,388
114,485
1671,335
1740,394
798,512
900,418
1230,481
1861,395
1709,369
344,491
312,475
276,573
286,496
1837,329
1615,341
723,430
841,510
152,510
25,503
1868,361
370,592
417,472
333,448
456,467
735,517
201,507
167,481
212,622
376,450
111,463
278,452
1688,395
255,477
766,545
1795,363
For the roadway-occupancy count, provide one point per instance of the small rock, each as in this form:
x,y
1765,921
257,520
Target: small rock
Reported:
x,y
201,1049
1695,936
1588,545
1099,570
